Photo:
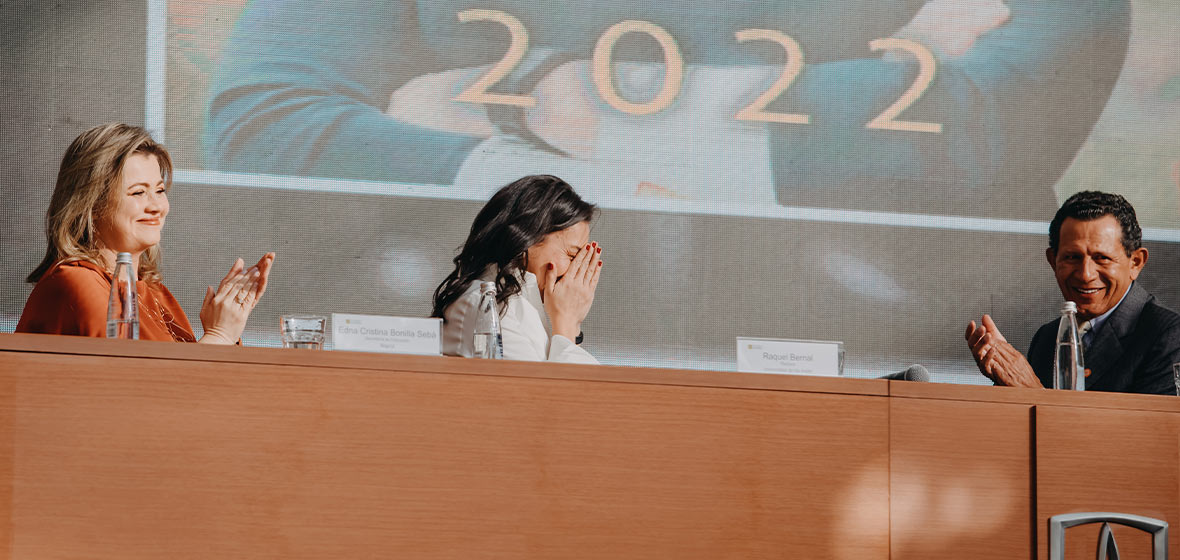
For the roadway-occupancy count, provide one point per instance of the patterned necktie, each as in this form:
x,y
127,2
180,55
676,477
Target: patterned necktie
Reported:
x,y
1083,331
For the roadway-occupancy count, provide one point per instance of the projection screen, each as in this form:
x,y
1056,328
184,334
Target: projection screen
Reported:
x,y
877,172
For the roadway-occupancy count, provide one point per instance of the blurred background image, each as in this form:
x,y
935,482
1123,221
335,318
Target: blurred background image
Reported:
x,y
764,168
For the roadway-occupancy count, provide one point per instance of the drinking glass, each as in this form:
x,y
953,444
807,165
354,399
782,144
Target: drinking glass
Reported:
x,y
303,331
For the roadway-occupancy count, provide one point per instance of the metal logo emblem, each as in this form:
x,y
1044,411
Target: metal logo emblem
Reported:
x,y
1107,548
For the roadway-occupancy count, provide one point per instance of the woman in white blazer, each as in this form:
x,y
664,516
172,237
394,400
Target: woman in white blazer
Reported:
x,y
532,240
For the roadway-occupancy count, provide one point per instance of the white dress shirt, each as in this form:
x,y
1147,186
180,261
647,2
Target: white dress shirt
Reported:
x,y
1096,323
523,325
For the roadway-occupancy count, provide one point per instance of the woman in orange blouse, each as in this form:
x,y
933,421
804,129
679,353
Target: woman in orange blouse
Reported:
x,y
112,197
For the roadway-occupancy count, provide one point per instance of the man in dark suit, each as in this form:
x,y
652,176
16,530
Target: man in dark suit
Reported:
x,y
1130,339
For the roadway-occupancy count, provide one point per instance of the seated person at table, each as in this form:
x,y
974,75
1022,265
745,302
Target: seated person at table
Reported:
x,y
1130,340
532,240
112,197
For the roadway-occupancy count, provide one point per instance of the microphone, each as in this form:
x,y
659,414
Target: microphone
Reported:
x,y
913,373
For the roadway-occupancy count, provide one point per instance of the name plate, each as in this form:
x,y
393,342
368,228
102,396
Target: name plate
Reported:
x,y
394,335
797,357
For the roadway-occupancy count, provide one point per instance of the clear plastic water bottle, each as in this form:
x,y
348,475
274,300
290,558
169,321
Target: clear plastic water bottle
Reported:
x,y
487,341
123,306
1069,370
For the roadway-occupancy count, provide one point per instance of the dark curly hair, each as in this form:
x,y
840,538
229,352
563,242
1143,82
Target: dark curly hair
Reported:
x,y
517,217
1091,205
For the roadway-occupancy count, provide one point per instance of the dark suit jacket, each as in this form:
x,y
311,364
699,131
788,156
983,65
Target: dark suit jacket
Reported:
x,y
1132,352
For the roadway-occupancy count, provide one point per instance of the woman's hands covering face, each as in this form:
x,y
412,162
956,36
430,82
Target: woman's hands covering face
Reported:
x,y
568,299
226,308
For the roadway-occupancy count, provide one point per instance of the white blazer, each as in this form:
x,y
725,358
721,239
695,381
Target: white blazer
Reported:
x,y
524,326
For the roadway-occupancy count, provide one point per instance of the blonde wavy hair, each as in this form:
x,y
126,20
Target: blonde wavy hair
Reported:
x,y
85,194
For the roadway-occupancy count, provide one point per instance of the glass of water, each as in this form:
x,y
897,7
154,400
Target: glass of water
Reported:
x,y
303,331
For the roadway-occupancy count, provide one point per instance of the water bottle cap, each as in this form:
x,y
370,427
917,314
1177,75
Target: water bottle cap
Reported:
x,y
123,258
1070,307
485,287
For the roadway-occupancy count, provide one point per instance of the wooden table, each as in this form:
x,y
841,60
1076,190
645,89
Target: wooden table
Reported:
x,y
133,449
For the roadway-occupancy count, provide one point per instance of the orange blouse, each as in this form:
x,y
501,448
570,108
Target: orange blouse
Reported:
x,y
71,298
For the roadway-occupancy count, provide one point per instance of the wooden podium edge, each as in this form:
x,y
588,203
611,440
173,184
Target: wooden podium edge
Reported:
x,y
39,343
1018,395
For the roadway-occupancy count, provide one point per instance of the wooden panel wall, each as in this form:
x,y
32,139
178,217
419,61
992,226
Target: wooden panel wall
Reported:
x,y
147,458
120,449
1107,460
960,479
7,411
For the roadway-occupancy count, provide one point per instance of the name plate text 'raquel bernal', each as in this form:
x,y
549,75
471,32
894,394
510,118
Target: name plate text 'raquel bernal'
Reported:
x,y
798,357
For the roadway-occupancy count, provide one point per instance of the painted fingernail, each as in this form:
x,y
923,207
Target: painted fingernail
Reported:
x,y
600,250
599,263
595,243
587,247
550,266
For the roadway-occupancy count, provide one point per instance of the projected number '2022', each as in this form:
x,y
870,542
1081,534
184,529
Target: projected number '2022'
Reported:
x,y
602,59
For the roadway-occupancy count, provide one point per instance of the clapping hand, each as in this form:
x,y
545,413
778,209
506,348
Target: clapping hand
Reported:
x,y
568,299
997,359
226,308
